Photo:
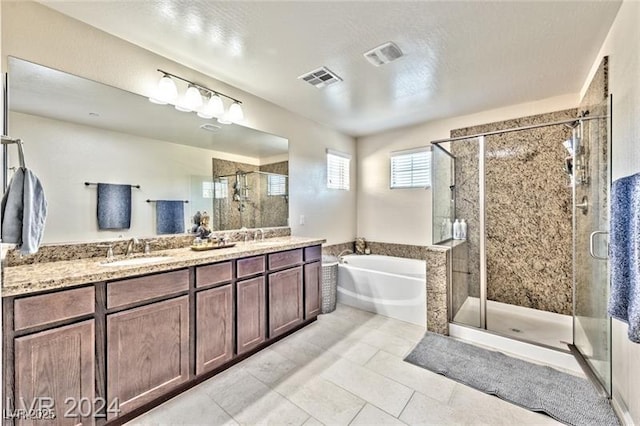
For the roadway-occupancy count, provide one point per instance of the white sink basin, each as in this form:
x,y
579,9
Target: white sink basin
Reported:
x,y
136,261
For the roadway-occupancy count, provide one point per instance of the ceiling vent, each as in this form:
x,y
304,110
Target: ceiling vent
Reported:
x,y
383,54
322,77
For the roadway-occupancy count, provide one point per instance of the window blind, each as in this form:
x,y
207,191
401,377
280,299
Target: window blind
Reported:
x,y
276,185
338,170
411,169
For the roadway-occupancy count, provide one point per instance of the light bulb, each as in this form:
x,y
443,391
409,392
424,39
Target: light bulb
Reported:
x,y
224,118
235,113
166,91
191,100
213,108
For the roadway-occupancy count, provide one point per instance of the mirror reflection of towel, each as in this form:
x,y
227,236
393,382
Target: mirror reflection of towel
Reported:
x,y
169,217
114,206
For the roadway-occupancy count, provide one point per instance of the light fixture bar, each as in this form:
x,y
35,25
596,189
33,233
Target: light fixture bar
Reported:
x,y
199,86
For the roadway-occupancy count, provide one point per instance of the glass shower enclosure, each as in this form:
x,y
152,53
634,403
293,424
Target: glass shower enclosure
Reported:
x,y
533,266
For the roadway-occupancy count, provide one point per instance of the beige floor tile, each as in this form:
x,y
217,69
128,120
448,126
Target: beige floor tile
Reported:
x,y
387,394
298,349
477,407
391,343
193,407
406,330
353,350
424,381
289,384
327,402
371,415
268,366
422,410
313,422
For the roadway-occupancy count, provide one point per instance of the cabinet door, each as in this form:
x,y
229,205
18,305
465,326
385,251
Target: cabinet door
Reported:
x,y
57,364
312,288
147,352
285,300
214,330
251,314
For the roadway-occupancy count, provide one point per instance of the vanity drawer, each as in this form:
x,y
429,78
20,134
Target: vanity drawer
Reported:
x,y
250,266
47,308
213,274
285,258
125,292
312,253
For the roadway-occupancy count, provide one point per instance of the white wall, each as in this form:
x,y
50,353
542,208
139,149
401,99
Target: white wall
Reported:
x,y
36,33
404,215
623,48
65,155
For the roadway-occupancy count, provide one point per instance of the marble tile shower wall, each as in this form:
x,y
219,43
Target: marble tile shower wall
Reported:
x,y
275,209
259,209
528,203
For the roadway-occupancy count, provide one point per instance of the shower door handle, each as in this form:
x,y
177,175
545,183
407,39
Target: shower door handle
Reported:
x,y
592,245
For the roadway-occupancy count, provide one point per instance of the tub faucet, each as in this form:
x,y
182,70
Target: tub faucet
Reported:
x,y
342,253
130,246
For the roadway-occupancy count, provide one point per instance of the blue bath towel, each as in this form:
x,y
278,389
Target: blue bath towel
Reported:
x,y
114,206
624,300
170,217
24,211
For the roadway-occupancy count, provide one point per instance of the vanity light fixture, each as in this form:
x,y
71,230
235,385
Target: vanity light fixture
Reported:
x,y
211,107
166,92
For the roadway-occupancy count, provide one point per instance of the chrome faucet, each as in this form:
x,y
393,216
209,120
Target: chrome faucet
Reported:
x,y
131,246
255,235
245,233
342,253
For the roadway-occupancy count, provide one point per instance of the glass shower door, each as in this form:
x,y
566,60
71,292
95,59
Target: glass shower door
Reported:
x,y
592,325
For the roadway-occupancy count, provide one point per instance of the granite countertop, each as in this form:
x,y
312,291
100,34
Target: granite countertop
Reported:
x,y
25,279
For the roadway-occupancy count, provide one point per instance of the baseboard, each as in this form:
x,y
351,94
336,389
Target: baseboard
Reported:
x,y
621,410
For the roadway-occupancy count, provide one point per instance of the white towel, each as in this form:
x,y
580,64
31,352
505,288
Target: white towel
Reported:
x,y
24,211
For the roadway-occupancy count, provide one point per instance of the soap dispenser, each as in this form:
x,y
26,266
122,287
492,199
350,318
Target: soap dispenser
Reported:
x,y
456,230
463,230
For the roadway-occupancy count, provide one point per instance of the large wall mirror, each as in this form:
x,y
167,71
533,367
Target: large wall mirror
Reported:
x,y
76,130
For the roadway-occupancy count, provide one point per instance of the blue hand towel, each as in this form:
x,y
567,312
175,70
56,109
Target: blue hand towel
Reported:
x,y
114,206
24,211
624,300
169,217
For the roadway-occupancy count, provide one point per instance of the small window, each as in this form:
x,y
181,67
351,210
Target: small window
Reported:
x,y
338,170
411,168
276,185
215,189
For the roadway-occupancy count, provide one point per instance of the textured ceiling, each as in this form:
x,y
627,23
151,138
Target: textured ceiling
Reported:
x,y
461,56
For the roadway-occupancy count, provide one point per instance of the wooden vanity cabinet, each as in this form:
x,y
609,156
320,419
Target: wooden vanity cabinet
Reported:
x,y
214,328
251,319
312,289
147,352
57,364
285,300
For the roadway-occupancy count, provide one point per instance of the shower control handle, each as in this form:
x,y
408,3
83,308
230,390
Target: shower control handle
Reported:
x,y
592,244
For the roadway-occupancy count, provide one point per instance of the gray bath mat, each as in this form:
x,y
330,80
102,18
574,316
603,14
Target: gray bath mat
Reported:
x,y
568,399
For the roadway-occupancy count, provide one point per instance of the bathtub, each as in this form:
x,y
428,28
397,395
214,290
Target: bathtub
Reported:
x,y
389,286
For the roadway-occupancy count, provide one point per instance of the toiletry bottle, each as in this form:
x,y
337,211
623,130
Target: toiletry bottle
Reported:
x,y
456,230
463,230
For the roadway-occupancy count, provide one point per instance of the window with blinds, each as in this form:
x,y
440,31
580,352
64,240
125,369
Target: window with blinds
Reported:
x,y
411,169
217,189
338,170
276,185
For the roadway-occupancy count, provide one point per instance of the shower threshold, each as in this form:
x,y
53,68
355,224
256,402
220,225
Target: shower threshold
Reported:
x,y
531,325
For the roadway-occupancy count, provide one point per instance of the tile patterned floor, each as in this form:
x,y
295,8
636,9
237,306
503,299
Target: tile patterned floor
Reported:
x,y
344,369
